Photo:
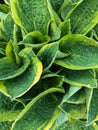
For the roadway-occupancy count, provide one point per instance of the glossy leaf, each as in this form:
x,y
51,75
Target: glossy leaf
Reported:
x,y
83,52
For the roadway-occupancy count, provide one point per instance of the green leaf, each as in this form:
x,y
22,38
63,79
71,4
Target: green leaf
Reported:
x,y
62,118
65,28
2,49
10,52
68,7
34,37
83,52
72,90
84,17
31,15
84,78
41,111
54,31
77,125
74,95
77,98
16,87
92,105
52,80
7,27
75,111
9,69
56,4
9,110
47,54
35,40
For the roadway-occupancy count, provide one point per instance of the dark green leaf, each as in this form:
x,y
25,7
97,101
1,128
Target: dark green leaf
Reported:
x,y
84,78
41,111
47,54
84,17
83,52
32,15
16,87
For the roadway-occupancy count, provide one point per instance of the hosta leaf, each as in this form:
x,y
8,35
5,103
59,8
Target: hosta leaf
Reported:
x,y
77,125
61,55
57,19
27,79
34,37
10,52
75,111
65,28
9,110
35,40
31,15
56,4
80,78
77,98
83,52
73,103
74,95
47,54
17,35
72,90
68,7
9,69
54,31
7,27
42,110
62,118
54,80
92,105
2,49
84,17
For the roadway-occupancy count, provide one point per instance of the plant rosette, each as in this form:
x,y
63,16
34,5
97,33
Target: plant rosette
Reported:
x,y
49,65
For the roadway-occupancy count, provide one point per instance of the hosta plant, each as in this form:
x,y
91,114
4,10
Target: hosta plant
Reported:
x,y
49,65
